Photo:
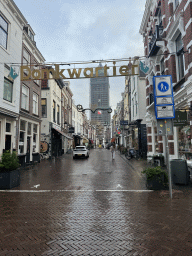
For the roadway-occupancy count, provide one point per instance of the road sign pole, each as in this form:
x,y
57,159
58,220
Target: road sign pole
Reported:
x,y
168,161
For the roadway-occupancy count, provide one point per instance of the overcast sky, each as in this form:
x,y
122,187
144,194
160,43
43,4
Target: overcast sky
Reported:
x,y
81,30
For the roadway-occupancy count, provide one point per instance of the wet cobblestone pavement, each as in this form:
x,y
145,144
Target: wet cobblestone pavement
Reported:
x,y
93,206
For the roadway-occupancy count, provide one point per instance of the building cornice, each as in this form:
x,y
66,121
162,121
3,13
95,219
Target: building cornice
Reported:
x,y
15,10
33,46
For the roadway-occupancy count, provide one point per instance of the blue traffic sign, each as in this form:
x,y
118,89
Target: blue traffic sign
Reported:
x,y
163,86
163,97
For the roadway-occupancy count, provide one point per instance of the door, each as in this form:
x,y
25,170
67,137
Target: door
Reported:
x,y
28,150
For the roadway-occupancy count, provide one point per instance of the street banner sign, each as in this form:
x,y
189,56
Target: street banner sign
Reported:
x,y
163,97
161,127
124,122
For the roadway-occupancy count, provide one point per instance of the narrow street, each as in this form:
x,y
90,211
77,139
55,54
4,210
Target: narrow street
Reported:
x,y
92,206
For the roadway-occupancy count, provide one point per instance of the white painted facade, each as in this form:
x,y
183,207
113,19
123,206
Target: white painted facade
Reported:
x,y
10,52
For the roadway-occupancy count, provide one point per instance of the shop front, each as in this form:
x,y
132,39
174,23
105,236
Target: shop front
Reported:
x,y
56,141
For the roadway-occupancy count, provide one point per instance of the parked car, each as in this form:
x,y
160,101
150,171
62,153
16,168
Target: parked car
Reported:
x,y
80,151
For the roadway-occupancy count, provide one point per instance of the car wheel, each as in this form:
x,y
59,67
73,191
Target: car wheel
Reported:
x,y
73,157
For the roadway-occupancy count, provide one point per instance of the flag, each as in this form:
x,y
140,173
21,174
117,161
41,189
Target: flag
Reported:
x,y
99,112
14,72
144,67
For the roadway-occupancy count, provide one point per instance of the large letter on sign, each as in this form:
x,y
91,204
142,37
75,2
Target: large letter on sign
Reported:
x,y
124,70
22,73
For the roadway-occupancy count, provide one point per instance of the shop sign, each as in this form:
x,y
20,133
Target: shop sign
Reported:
x,y
124,122
71,129
32,73
163,97
180,118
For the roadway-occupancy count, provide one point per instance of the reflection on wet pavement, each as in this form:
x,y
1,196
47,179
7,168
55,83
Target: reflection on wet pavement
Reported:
x,y
80,220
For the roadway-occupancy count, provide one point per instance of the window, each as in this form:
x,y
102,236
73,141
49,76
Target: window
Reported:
x,y
22,137
180,57
31,35
44,107
176,3
160,17
8,127
3,32
25,98
35,104
54,106
26,58
8,90
29,129
162,66
34,137
58,114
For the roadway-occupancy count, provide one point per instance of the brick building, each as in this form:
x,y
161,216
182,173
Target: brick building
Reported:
x,y
166,28
29,123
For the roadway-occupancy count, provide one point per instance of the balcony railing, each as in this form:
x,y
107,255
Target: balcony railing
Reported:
x,y
157,36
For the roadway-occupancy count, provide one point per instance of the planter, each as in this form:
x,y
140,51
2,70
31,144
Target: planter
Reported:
x,y
156,183
9,179
156,178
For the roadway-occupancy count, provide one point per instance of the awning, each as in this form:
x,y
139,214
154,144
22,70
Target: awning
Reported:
x,y
85,140
58,131
62,133
68,137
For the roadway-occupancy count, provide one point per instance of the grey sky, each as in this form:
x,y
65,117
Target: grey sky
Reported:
x,y
81,30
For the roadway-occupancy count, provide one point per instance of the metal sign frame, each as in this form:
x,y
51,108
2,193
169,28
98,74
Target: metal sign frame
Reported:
x,y
164,96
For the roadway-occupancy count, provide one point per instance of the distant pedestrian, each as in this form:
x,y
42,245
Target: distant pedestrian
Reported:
x,y
113,152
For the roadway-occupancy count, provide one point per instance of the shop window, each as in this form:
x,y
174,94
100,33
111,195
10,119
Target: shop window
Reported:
x,y
8,90
35,136
184,140
21,142
29,129
35,128
22,125
3,32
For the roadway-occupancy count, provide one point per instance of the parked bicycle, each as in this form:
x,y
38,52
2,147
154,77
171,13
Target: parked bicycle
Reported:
x,y
132,153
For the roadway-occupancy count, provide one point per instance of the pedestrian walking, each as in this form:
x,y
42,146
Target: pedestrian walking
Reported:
x,y
113,152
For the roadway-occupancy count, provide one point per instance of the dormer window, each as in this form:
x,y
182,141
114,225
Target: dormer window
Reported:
x,y
31,35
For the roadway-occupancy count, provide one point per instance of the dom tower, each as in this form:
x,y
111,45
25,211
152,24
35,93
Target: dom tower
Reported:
x,y
99,98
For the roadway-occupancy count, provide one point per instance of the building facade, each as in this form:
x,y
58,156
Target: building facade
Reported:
x,y
30,103
11,30
51,104
166,30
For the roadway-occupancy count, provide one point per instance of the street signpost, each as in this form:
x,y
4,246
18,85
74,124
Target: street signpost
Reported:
x,y
165,112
